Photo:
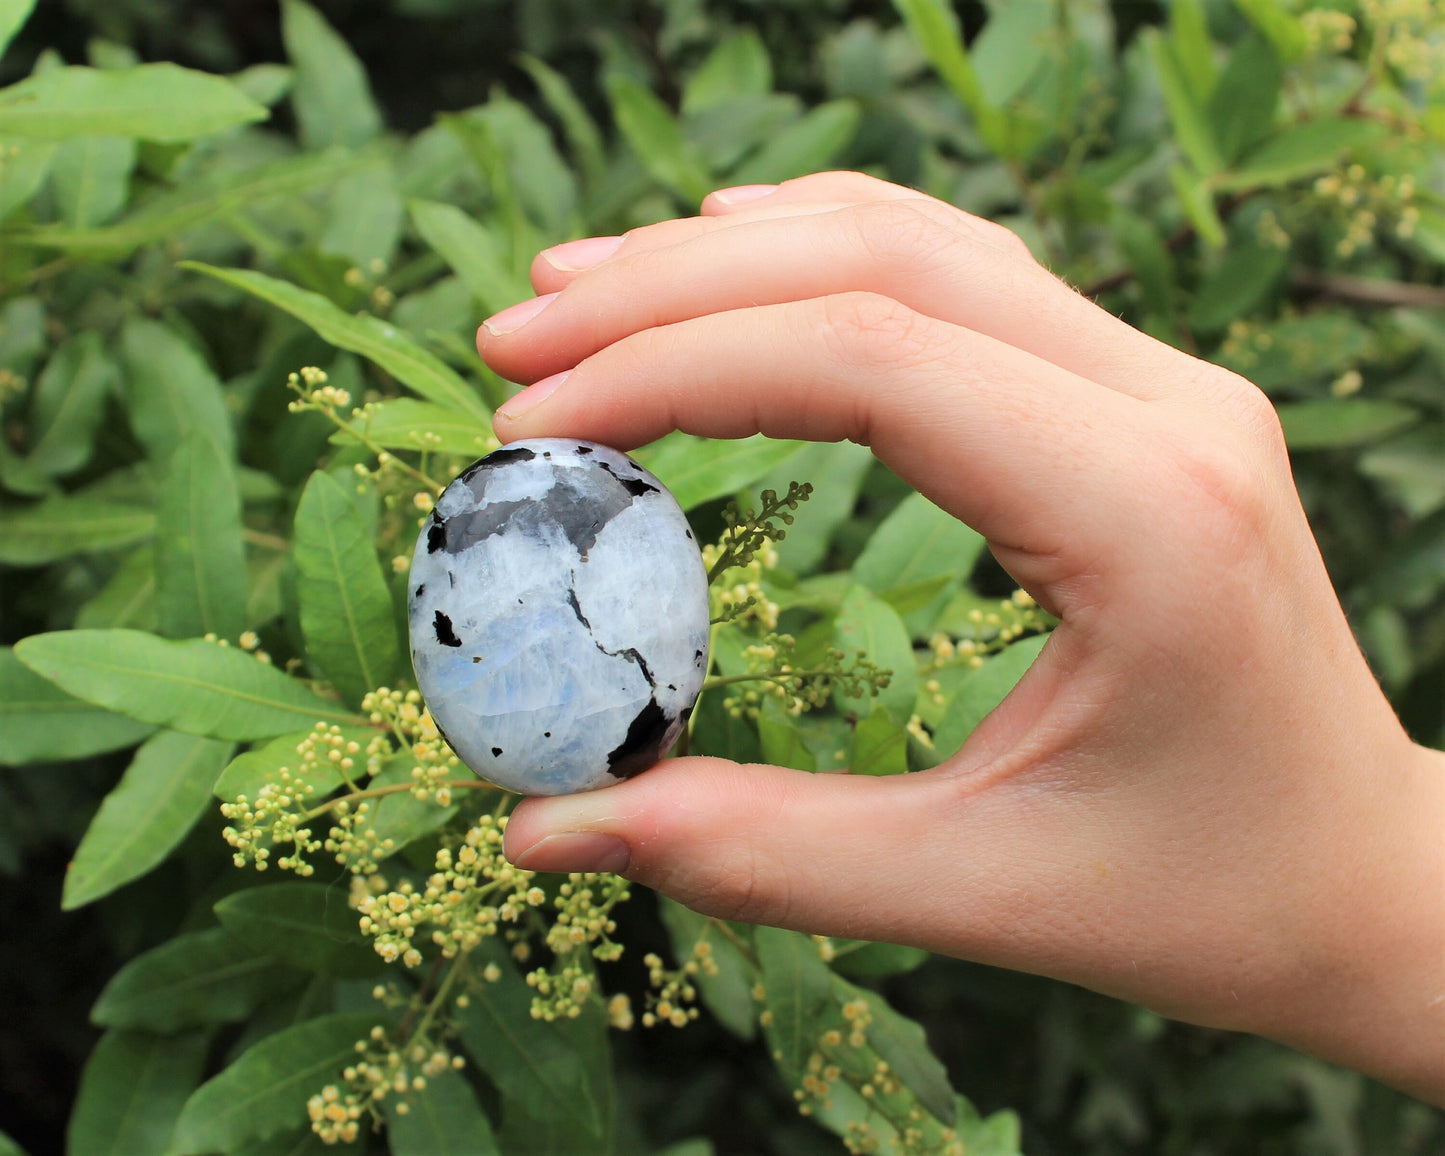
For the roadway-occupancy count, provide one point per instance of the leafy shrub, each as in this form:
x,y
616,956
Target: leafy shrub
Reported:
x,y
236,365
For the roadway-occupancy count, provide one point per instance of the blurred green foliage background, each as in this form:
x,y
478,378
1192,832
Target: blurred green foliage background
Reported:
x,y
1261,182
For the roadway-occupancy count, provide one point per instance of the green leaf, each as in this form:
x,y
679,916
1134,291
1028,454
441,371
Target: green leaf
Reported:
x,y
582,132
406,424
1192,130
27,165
69,401
249,772
91,178
1236,285
131,1093
1011,48
1196,199
443,1119
61,527
1281,28
655,136
865,622
39,722
366,217
982,690
329,92
797,988
163,792
862,960
159,102
198,201
202,977
810,143
530,181
307,925
300,1141
901,1043
527,1060
880,745
1337,423
472,251
935,27
128,599
346,610
374,339
782,740
733,71
13,15
698,470
728,994
403,817
917,541
8,1147
265,1091
193,686
1242,106
1302,151
171,391
1193,49
200,558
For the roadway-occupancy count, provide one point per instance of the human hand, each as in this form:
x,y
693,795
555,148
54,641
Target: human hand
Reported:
x,y
1197,798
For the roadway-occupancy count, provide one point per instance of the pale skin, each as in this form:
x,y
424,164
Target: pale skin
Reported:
x,y
1197,799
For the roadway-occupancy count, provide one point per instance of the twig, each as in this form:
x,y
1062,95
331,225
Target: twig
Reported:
x,y
1368,290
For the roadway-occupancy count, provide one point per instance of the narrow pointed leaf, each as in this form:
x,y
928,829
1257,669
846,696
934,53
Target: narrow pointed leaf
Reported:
x,y
128,599
699,470
69,402
981,691
407,424
307,925
159,798
917,541
812,142
528,1060
867,623
1192,129
132,1091
170,390
376,340
346,610
193,686
880,745
158,102
1331,423
473,252
583,135
265,1091
656,138
728,994
61,527
202,977
13,14
249,772
443,1119
39,722
200,558
91,178
797,987
1301,151
900,1042
329,89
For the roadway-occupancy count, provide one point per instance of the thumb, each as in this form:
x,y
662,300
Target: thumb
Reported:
x,y
831,854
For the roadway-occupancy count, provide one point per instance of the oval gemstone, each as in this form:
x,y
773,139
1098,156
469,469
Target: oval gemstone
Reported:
x,y
559,616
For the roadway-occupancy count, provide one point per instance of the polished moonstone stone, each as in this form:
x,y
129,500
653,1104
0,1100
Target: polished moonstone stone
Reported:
x,y
559,616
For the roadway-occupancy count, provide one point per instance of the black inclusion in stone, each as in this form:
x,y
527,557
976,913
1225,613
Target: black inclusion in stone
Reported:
x,y
496,751
643,745
436,535
420,590
579,513
445,634
584,449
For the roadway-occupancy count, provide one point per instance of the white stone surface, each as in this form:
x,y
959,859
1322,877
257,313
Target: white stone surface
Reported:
x,y
559,616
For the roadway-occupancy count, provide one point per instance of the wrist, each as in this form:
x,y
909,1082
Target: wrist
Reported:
x,y
1365,981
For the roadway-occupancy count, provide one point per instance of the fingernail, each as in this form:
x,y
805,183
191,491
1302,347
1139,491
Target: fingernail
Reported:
x,y
742,194
531,397
511,319
576,851
574,256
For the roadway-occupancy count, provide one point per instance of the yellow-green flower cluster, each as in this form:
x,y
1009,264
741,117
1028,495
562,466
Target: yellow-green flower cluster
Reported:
x,y
279,815
771,676
1361,202
471,893
310,383
895,1121
583,920
672,1001
987,632
1406,36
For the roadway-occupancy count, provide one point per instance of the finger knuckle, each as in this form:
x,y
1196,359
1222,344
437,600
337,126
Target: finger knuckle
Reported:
x,y
902,233
873,330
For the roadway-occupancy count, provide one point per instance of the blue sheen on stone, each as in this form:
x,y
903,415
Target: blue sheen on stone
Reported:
x,y
559,616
